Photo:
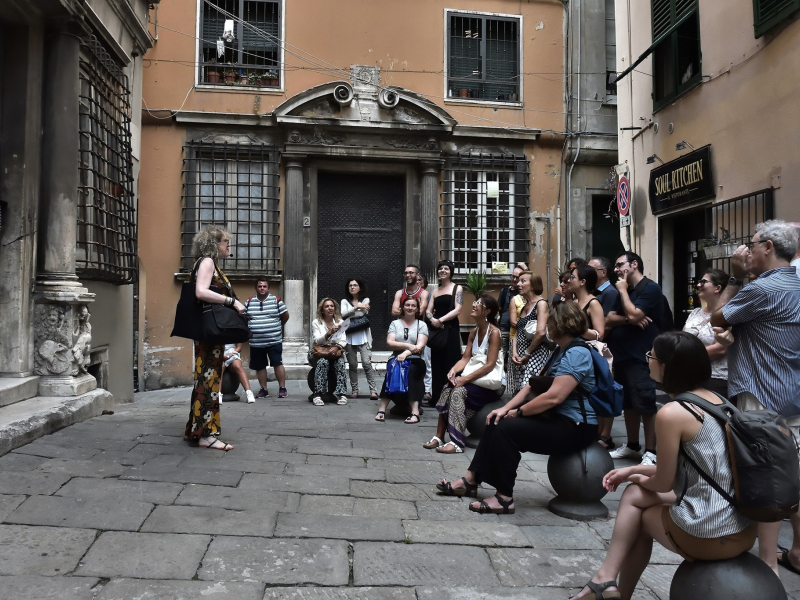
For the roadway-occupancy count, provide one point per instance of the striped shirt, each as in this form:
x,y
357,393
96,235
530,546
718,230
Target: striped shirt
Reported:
x,y
765,356
702,511
265,320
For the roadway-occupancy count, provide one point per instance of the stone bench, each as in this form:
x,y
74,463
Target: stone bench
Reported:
x,y
477,423
745,576
577,479
229,386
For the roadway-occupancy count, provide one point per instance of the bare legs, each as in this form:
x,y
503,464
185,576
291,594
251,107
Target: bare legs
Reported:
x,y
768,543
237,370
638,523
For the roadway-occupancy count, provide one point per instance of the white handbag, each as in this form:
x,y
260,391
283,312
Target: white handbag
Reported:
x,y
530,329
604,352
493,380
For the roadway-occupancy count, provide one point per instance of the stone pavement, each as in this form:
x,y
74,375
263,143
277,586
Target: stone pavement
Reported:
x,y
313,503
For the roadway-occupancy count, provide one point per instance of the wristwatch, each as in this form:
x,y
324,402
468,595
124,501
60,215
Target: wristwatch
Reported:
x,y
519,412
736,282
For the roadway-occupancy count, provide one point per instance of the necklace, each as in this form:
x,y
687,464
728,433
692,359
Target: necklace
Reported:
x,y
415,291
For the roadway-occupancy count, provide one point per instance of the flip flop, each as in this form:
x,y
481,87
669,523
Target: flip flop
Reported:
x,y
783,560
434,443
217,445
455,449
382,415
412,416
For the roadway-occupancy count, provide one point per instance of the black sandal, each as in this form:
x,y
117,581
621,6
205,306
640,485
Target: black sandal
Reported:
x,y
412,416
504,509
783,560
606,442
382,415
599,590
446,488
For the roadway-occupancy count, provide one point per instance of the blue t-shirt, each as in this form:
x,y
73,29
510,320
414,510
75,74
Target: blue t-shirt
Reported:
x,y
577,362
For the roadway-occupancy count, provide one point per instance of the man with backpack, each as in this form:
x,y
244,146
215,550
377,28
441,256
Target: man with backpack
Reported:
x,y
764,358
630,331
268,314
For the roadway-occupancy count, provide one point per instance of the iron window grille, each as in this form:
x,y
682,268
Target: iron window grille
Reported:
x,y
106,237
677,59
253,58
483,57
732,223
235,186
611,50
485,211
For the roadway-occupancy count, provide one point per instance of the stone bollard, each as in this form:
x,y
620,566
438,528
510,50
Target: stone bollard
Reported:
x,y
229,386
577,478
746,577
477,423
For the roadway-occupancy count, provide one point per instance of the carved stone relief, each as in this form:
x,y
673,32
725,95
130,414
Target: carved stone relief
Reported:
x,y
412,143
315,138
62,341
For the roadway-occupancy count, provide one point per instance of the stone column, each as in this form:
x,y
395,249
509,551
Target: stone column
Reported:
x,y
429,219
295,348
62,333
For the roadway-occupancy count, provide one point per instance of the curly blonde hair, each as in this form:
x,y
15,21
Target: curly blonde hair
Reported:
x,y
336,314
206,241
567,320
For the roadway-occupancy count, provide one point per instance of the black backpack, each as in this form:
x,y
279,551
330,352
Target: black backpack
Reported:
x,y
764,461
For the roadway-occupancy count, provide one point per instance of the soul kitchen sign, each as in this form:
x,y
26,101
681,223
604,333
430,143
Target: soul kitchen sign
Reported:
x,y
682,181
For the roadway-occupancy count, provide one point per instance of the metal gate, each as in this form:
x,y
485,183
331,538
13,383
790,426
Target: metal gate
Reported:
x,y
360,235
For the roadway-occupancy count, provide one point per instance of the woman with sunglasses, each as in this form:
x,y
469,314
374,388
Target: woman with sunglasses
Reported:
x,y
709,290
699,526
463,395
407,338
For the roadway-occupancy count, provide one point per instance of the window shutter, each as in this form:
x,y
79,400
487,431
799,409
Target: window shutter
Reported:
x,y
662,17
768,13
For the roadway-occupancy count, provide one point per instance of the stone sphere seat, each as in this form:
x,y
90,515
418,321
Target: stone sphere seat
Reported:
x,y
746,577
229,386
577,479
476,426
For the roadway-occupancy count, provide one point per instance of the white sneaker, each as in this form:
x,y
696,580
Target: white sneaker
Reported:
x,y
250,397
625,452
648,459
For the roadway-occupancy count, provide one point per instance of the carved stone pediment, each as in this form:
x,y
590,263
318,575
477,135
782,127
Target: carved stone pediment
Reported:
x,y
341,104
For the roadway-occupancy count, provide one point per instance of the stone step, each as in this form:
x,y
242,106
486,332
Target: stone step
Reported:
x,y
300,371
17,389
27,420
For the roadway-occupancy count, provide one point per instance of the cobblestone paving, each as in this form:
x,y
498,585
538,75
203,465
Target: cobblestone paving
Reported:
x,y
312,504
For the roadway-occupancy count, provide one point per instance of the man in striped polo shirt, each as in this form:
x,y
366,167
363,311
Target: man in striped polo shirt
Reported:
x,y
267,314
764,358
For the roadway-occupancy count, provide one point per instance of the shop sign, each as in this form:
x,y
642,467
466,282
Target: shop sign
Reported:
x,y
682,181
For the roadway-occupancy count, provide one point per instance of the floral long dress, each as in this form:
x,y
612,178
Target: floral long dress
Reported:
x,y
208,358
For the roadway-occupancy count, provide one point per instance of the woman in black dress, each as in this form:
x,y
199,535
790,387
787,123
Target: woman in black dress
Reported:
x,y
445,339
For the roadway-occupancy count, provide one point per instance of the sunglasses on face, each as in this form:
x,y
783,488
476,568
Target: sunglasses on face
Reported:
x,y
477,303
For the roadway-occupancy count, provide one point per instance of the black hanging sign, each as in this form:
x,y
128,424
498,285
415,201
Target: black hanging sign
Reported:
x,y
682,181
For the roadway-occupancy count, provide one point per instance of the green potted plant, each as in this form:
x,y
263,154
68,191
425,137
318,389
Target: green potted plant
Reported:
x,y
212,74
476,283
230,74
272,78
254,78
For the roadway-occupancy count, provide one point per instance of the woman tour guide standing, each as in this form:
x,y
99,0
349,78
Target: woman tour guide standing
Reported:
x,y
203,428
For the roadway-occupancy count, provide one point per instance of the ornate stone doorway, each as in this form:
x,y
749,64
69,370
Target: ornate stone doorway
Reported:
x,y
360,235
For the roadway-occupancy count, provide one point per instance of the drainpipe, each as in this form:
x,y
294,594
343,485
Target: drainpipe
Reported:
x,y
574,159
568,103
547,221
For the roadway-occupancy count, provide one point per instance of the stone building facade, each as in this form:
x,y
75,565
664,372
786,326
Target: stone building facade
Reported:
x,y
708,130
69,148
335,142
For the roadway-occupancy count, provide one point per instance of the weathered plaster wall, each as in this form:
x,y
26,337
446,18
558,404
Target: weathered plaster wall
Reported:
x,y
747,110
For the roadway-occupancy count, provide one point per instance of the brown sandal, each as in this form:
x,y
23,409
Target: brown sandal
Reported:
x,y
445,488
504,508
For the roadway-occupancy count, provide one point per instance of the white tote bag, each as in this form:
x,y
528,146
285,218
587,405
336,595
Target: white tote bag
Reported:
x,y
493,380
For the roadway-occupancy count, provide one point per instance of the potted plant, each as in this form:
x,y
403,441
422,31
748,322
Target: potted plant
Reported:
x,y
242,77
254,79
272,78
230,75
212,75
463,93
476,283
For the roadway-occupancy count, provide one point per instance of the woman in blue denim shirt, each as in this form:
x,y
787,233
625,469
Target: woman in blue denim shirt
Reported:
x,y
552,422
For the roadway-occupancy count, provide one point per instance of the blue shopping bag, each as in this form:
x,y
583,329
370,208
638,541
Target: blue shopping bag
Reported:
x,y
397,376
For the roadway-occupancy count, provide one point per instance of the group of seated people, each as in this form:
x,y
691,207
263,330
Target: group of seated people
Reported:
x,y
546,417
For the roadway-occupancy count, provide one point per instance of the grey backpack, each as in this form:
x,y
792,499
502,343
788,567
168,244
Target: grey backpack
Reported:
x,y
764,462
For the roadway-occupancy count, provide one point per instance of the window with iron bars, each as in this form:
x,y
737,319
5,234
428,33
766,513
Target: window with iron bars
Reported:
x,y
234,186
483,57
253,57
106,237
485,210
